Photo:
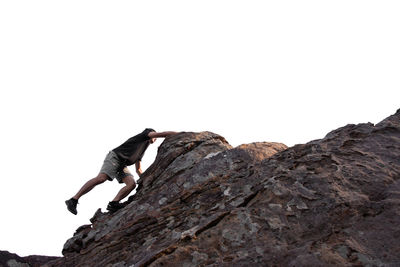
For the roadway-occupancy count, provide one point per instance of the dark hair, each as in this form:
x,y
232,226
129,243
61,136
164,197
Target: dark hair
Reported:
x,y
148,130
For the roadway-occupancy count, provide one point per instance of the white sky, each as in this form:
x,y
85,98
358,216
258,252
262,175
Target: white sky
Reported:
x,y
78,78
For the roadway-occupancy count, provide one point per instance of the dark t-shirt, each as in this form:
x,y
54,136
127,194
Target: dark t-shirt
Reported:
x,y
133,149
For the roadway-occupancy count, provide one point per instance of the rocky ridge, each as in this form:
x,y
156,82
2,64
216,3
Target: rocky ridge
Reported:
x,y
8,259
333,201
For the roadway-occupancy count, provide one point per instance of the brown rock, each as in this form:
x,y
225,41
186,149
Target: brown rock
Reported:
x,y
333,201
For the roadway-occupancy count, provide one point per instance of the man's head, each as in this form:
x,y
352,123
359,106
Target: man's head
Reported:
x,y
148,130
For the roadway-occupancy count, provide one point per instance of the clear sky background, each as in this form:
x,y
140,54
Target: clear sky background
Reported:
x,y
78,78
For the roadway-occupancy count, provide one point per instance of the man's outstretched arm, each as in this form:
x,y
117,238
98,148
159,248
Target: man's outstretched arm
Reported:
x,y
161,134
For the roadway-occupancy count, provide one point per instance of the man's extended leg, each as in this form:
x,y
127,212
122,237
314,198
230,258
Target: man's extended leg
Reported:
x,y
89,185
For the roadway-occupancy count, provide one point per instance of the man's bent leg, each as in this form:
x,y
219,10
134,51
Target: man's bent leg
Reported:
x,y
129,186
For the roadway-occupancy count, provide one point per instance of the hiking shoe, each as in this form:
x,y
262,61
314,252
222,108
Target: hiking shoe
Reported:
x,y
71,205
114,206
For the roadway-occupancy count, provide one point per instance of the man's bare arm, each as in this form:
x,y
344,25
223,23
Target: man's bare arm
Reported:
x,y
138,168
161,134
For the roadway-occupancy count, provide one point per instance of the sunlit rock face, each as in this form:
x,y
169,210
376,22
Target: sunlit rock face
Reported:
x,y
333,201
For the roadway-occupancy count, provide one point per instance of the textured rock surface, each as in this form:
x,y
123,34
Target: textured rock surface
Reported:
x,y
333,201
8,259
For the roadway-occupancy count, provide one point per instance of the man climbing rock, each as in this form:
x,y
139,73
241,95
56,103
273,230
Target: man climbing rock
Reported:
x,y
115,166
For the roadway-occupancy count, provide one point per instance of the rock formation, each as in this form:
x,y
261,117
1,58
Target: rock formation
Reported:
x,y
333,201
8,259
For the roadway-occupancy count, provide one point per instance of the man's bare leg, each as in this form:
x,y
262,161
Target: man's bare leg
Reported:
x,y
129,186
89,185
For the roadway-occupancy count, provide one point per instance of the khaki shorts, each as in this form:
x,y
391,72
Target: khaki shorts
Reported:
x,y
114,168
